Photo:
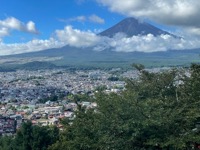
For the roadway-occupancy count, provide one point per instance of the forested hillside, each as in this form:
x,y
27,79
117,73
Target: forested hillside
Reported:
x,y
156,111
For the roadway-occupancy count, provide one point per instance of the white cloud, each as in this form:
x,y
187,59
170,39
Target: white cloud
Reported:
x,y
77,38
120,42
96,19
192,30
96,31
30,26
4,31
183,13
150,43
67,36
31,46
12,23
92,18
78,18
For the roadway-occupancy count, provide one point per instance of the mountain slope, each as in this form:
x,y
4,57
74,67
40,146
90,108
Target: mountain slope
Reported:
x,y
87,58
132,26
72,56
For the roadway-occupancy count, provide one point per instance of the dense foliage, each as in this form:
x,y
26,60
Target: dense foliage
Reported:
x,y
30,137
156,111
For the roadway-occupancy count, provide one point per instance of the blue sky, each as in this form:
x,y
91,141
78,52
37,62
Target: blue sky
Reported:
x,y
50,15
32,25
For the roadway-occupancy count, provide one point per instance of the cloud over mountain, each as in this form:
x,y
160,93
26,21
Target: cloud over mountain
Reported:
x,y
150,43
120,42
87,39
184,13
128,35
77,38
31,46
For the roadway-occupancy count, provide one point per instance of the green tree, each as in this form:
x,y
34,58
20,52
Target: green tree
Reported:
x,y
100,88
31,137
23,138
5,142
79,135
156,111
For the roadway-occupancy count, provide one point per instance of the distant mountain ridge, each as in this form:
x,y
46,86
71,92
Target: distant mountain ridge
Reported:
x,y
131,27
72,56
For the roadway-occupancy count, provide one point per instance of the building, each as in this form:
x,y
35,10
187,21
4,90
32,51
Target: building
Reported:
x,y
7,125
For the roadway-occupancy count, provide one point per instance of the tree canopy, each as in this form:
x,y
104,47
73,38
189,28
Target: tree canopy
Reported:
x,y
156,111
30,137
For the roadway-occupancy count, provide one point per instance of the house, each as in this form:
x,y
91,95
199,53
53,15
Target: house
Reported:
x,y
7,125
19,120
